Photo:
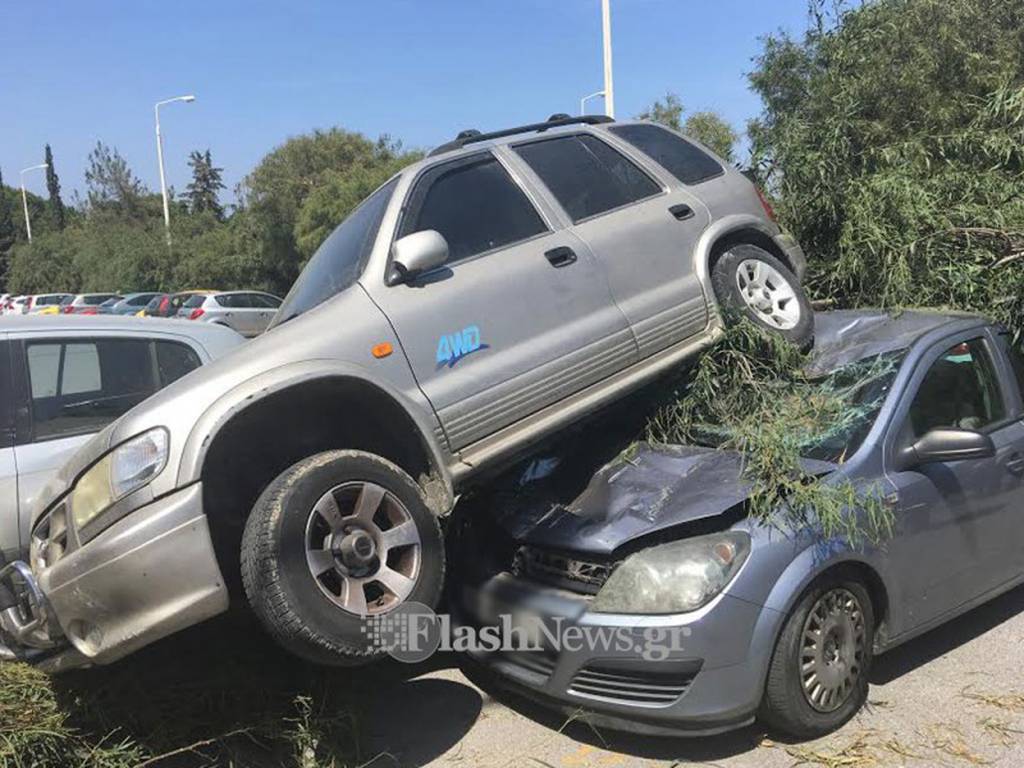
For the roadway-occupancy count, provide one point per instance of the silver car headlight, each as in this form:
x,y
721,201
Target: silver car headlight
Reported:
x,y
674,578
127,468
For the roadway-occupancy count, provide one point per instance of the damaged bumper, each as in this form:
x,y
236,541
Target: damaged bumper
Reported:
x,y
148,576
687,674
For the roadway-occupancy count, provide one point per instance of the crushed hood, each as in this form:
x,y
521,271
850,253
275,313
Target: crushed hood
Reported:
x,y
660,487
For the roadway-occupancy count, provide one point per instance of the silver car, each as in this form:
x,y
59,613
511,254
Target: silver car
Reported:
x,y
62,383
753,620
248,312
480,300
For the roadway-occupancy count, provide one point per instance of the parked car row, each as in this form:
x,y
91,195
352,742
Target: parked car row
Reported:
x,y
247,312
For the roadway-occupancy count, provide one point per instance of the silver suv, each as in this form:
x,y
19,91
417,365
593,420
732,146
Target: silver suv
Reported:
x,y
505,286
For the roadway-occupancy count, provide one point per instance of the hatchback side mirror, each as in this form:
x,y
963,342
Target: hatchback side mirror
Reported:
x,y
415,254
946,445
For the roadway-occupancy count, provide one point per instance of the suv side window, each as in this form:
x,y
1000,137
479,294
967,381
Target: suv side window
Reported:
x,y
960,391
686,161
585,175
475,204
80,386
1016,360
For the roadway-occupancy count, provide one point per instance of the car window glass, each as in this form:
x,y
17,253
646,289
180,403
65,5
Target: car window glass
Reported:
x,y
960,391
174,361
225,300
686,161
1016,361
265,301
585,175
194,301
140,301
244,301
475,205
79,387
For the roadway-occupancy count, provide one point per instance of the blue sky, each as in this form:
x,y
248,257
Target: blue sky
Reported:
x,y
420,70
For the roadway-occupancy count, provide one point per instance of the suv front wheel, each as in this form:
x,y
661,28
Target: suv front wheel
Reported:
x,y
749,280
338,537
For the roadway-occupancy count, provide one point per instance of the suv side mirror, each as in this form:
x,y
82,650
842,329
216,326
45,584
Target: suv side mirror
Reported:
x,y
946,445
417,253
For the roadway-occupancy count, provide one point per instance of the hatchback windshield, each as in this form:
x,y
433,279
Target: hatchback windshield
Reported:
x,y
339,261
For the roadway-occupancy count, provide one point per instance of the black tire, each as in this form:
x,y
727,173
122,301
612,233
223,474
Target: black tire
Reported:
x,y
785,706
279,584
730,297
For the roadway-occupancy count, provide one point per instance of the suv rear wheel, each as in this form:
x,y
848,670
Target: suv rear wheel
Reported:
x,y
749,280
336,538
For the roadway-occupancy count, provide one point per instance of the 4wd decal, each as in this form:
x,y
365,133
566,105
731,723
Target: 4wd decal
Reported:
x,y
452,347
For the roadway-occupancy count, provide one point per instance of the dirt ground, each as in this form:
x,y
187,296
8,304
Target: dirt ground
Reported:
x,y
952,697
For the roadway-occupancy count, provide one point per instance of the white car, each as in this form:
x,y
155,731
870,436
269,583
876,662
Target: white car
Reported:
x,y
248,312
62,382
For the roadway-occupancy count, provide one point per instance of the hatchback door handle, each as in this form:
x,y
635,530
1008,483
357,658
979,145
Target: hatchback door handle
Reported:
x,y
1015,464
681,211
562,256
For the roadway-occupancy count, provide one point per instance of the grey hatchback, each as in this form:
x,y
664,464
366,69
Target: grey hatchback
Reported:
x,y
782,624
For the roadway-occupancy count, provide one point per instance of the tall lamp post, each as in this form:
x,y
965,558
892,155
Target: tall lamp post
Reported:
x,y
606,29
160,158
24,197
585,99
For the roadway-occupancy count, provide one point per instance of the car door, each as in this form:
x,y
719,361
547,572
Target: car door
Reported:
x,y
1012,529
951,540
10,541
520,316
266,307
640,230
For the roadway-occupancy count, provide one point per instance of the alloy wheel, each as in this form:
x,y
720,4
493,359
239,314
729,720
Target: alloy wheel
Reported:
x,y
363,548
768,294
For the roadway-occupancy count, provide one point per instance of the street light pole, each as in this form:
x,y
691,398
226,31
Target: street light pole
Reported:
x,y
585,99
606,27
160,158
24,197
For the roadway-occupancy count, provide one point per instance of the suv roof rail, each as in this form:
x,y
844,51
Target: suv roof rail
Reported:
x,y
471,135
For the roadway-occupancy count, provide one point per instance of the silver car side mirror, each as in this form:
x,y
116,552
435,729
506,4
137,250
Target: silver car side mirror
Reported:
x,y
940,445
417,253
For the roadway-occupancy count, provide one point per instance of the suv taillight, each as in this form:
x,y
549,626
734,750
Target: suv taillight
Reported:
x,y
197,313
768,210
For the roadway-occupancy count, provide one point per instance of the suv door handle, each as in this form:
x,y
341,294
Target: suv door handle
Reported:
x,y
562,256
681,211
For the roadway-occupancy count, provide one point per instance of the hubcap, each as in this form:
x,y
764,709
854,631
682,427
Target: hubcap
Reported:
x,y
832,650
767,294
363,548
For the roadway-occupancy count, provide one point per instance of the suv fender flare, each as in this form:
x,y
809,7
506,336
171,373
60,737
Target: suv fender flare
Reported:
x,y
240,397
719,230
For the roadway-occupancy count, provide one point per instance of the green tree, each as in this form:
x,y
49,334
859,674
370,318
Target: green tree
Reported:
x,y
110,183
204,190
7,228
713,131
707,127
893,136
56,205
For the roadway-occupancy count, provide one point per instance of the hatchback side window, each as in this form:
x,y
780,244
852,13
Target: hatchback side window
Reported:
x,y
960,391
79,387
475,204
226,300
686,161
174,360
585,175
1016,361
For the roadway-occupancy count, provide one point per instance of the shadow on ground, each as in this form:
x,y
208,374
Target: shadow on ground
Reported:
x,y
223,693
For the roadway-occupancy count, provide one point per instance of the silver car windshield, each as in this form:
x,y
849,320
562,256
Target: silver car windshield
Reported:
x,y
340,260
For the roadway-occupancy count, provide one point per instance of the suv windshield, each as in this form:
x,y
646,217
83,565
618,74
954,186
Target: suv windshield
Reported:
x,y
339,261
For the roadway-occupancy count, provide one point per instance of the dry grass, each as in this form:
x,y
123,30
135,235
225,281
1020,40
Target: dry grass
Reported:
x,y
858,752
1008,702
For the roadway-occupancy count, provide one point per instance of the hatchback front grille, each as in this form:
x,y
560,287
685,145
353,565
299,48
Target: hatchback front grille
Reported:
x,y
637,687
563,571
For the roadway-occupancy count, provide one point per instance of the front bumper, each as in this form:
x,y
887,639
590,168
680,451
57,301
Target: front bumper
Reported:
x,y
711,681
148,576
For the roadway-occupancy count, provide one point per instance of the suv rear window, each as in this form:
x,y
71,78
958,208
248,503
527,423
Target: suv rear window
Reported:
x,y
586,175
686,161
475,204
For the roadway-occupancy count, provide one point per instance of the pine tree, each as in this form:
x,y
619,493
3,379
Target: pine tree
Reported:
x,y
53,187
206,184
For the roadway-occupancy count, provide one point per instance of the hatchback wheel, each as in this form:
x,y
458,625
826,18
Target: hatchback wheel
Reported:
x,y
818,677
749,280
336,538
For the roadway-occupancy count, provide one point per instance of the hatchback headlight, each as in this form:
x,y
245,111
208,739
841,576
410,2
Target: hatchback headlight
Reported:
x,y
674,578
127,468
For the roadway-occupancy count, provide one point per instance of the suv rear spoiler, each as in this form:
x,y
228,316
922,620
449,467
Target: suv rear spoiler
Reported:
x,y
471,135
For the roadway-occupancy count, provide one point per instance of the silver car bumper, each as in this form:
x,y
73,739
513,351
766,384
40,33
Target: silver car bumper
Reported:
x,y
148,576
